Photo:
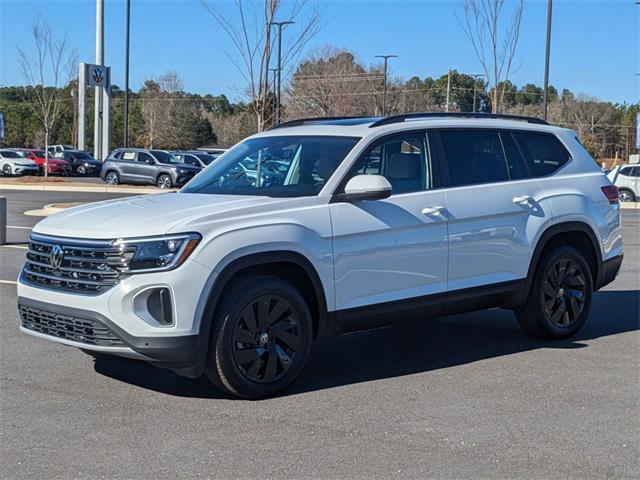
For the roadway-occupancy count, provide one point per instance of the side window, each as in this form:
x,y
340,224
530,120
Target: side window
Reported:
x,y
116,155
473,156
543,152
635,172
191,160
401,159
144,157
627,172
130,156
515,162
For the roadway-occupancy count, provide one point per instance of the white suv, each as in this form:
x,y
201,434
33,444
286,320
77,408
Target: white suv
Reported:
x,y
349,223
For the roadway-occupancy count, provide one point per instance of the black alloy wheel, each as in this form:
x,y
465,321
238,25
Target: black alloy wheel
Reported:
x,y
564,292
266,338
260,338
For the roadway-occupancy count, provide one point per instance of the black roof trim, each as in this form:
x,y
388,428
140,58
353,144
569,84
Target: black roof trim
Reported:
x,y
326,121
426,115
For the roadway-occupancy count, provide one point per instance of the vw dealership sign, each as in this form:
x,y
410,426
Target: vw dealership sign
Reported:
x,y
97,75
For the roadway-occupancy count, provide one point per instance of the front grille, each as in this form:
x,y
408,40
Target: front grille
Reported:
x,y
83,266
82,330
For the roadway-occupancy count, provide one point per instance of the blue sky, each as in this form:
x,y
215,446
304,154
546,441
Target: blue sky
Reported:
x,y
595,46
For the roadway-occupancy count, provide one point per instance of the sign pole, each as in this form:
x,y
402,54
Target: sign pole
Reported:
x,y
82,106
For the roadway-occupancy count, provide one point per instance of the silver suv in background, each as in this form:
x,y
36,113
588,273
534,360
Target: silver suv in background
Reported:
x,y
146,167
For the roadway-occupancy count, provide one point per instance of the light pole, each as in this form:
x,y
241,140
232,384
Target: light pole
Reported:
x,y
126,72
279,78
384,94
546,60
475,84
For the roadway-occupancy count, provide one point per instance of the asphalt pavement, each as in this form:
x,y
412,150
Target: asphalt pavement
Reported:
x,y
467,396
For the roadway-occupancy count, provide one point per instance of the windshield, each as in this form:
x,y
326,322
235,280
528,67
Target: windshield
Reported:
x,y
278,166
164,157
83,156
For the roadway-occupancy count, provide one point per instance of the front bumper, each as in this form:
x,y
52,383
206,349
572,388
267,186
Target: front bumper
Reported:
x,y
25,170
93,331
112,322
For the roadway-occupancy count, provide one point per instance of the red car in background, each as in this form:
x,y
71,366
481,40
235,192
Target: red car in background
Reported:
x,y
57,166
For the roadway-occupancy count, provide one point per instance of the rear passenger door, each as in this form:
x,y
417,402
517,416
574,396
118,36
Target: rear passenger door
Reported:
x,y
392,249
492,207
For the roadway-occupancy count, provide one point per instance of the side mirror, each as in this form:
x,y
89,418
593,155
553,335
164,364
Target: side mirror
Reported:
x,y
365,187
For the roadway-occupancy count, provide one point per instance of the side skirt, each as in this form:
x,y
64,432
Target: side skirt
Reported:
x,y
510,294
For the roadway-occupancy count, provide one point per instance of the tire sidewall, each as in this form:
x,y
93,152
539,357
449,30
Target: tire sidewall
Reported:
x,y
159,182
113,175
553,257
231,375
627,192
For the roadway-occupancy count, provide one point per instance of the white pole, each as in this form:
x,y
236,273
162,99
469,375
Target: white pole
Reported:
x,y
448,90
97,129
3,220
82,107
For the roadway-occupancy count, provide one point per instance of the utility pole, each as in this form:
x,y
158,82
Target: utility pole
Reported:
x,y
546,60
126,72
475,85
97,127
279,76
384,94
448,90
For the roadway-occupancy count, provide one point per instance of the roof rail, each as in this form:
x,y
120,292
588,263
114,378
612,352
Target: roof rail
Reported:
x,y
418,116
318,120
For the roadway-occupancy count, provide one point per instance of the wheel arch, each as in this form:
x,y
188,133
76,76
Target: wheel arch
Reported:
x,y
579,235
290,266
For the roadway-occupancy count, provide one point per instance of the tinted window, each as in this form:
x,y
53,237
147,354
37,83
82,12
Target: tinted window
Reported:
x,y
515,162
205,158
144,157
401,159
275,166
9,154
191,160
164,157
473,156
82,156
543,152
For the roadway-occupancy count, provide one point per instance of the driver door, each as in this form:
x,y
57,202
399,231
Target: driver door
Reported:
x,y
391,250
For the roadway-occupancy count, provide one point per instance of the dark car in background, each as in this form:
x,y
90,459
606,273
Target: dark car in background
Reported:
x,y
146,167
194,157
82,163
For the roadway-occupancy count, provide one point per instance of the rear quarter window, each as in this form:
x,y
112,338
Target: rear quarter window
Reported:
x,y
542,152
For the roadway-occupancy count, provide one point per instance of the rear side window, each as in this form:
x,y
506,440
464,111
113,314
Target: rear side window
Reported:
x,y
543,153
473,156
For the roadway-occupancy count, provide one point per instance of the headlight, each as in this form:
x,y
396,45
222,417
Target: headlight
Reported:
x,y
159,253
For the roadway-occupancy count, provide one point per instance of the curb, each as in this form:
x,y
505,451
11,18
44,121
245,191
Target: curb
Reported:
x,y
82,188
633,205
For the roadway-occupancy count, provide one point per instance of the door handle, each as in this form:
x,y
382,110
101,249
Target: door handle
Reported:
x,y
522,200
432,210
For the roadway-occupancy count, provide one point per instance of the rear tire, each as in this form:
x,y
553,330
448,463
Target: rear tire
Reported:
x,y
112,178
260,337
561,295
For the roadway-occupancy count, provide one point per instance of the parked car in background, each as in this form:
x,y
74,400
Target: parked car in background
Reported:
x,y
215,151
194,157
146,167
82,163
13,164
55,166
56,150
627,179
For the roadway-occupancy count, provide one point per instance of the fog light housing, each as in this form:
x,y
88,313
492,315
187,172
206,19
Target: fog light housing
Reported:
x,y
155,306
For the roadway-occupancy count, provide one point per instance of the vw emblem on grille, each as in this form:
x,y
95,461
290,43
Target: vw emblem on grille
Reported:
x,y
56,256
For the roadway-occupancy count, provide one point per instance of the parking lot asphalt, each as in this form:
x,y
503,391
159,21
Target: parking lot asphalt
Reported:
x,y
467,396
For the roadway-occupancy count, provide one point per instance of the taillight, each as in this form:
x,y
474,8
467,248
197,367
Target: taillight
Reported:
x,y
612,194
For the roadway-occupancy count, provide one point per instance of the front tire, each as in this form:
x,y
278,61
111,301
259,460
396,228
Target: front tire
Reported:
x,y
260,337
561,295
164,181
81,170
6,170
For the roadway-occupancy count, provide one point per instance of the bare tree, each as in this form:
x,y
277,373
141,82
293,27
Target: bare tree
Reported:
x,y
251,34
493,43
50,67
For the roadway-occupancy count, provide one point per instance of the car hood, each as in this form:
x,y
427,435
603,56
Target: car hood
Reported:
x,y
22,162
190,168
151,215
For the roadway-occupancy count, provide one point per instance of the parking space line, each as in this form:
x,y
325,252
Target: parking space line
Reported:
x,y
8,282
17,226
21,247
